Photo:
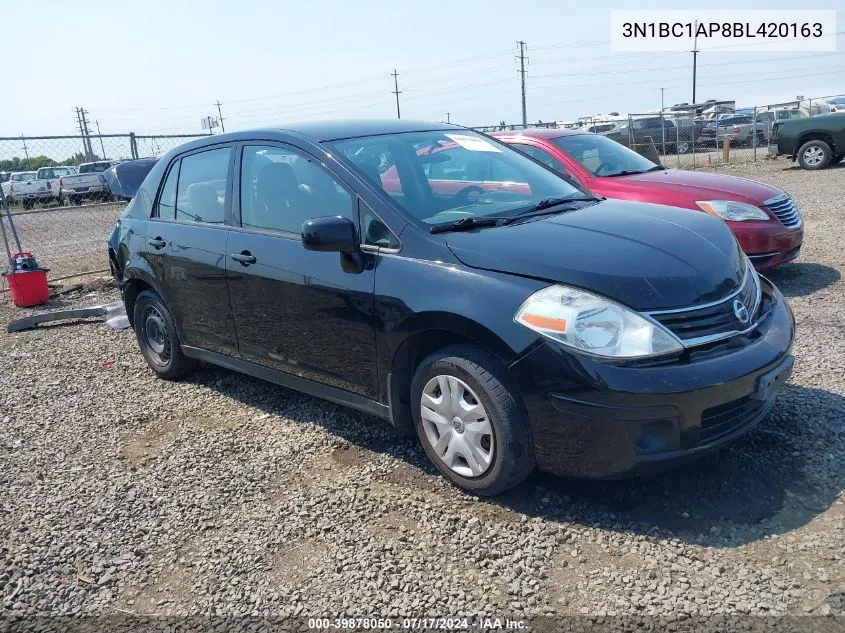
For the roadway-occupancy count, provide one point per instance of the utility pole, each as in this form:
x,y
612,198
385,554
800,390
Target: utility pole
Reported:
x,y
220,112
694,60
396,91
522,75
662,122
102,147
25,151
81,132
89,149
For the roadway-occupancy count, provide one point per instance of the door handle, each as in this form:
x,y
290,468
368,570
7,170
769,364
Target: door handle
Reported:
x,y
244,257
157,242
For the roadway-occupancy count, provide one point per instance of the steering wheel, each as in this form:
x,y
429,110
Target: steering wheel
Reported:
x,y
603,168
462,196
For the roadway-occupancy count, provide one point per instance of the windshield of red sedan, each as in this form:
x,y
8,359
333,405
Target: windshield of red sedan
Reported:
x,y
602,156
445,175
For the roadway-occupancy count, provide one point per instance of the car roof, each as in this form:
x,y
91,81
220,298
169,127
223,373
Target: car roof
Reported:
x,y
539,132
320,131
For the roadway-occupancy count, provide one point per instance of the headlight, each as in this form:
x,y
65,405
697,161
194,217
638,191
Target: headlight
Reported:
x,y
733,211
593,324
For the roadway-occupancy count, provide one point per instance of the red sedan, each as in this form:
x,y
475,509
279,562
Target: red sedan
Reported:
x,y
765,220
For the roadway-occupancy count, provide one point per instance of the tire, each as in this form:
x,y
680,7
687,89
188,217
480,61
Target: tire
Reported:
x,y
761,140
501,458
814,155
158,338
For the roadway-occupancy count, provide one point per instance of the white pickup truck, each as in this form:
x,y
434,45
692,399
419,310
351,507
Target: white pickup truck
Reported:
x,y
26,189
88,183
52,176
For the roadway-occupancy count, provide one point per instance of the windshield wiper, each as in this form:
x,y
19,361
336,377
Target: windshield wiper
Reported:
x,y
467,223
629,172
547,206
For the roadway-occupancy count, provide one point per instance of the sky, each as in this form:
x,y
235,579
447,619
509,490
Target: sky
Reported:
x,y
159,66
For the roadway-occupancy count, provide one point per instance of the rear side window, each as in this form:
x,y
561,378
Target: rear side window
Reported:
x,y
167,201
201,189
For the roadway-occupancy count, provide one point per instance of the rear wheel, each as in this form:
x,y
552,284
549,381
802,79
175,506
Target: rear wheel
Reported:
x,y
470,420
157,337
814,155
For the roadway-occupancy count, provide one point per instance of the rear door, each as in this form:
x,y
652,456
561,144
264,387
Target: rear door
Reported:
x,y
186,246
295,310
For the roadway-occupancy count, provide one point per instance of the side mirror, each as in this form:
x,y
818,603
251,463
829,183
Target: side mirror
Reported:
x,y
334,234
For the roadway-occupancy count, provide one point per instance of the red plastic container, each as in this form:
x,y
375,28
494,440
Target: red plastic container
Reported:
x,y
28,287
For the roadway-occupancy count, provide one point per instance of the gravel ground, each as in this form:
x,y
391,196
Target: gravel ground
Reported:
x,y
225,496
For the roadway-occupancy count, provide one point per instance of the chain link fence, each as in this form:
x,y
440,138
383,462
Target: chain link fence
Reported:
x,y
65,229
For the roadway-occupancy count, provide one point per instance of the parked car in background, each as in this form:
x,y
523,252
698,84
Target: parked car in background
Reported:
x,y
670,135
52,176
124,178
89,182
837,104
26,189
741,129
4,181
815,142
509,323
765,220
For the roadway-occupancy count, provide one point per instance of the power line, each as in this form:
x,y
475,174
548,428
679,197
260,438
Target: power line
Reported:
x,y
396,91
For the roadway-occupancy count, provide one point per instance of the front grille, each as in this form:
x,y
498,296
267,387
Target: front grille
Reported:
x,y
722,420
785,210
695,326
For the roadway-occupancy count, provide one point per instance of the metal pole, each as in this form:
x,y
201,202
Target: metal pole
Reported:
x,y
754,139
662,122
11,224
678,142
694,60
3,229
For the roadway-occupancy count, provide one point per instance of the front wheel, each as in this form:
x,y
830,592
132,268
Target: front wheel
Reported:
x,y
814,155
157,337
471,422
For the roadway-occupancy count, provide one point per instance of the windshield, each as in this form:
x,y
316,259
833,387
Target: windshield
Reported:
x,y
446,175
23,176
602,156
93,168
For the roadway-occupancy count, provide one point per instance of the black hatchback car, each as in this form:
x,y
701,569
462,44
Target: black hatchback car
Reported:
x,y
471,296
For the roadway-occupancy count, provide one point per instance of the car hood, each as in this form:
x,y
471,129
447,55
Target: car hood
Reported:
x,y
646,256
696,185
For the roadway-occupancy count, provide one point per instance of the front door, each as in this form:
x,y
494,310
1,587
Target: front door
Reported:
x,y
296,310
186,246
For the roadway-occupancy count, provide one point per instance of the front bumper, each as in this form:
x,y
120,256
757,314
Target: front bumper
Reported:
x,y
768,244
592,418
